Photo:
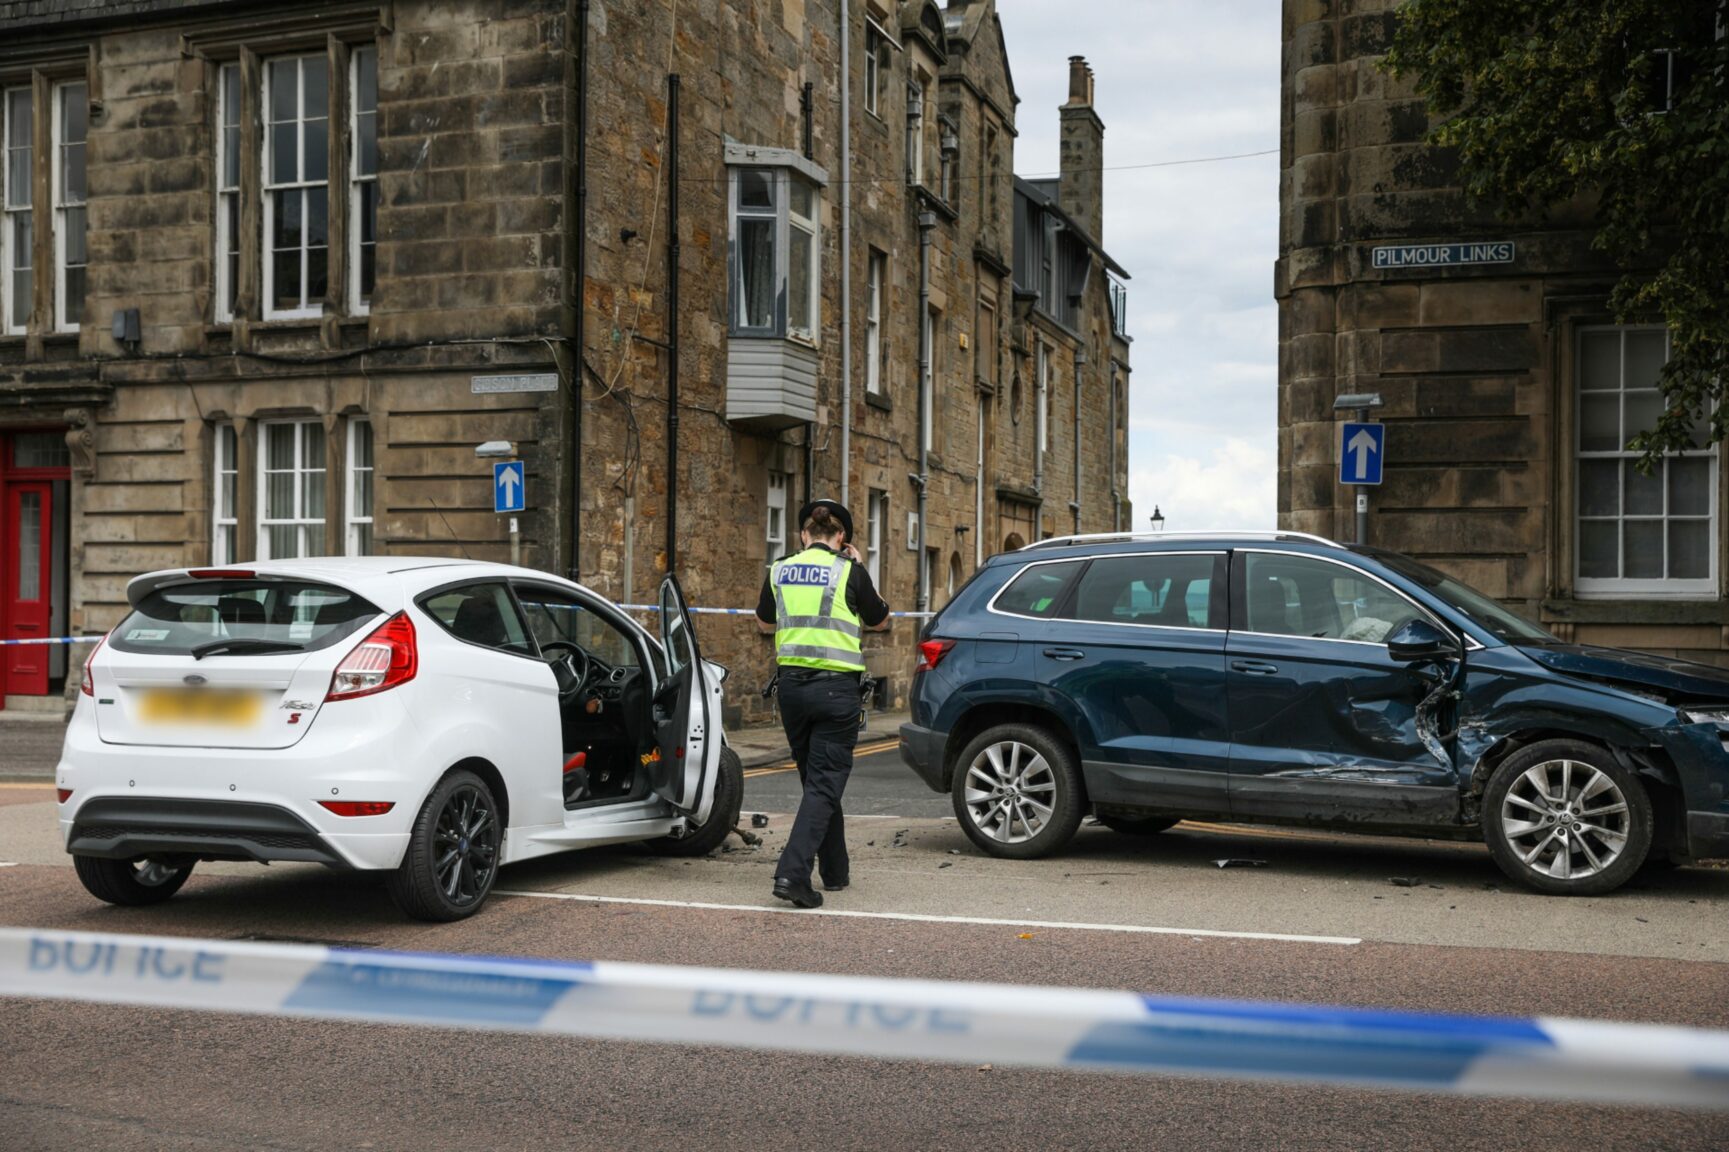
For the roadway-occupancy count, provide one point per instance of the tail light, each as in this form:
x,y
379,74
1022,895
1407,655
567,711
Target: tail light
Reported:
x,y
65,794
220,573
931,653
87,684
383,660
358,807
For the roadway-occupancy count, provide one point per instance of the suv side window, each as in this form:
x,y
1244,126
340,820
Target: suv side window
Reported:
x,y
1170,590
481,614
1303,596
1038,589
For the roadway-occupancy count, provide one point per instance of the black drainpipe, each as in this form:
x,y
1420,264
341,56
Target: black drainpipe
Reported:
x,y
579,276
672,323
806,104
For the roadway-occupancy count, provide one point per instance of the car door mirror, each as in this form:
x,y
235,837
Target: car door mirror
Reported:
x,y
1420,642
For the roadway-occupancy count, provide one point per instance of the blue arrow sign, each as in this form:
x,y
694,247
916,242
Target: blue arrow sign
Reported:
x,y
509,491
1361,453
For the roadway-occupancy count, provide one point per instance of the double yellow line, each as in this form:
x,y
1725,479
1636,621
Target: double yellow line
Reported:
x,y
791,766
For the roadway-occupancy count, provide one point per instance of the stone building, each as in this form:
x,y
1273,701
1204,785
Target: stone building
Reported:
x,y
273,271
1509,389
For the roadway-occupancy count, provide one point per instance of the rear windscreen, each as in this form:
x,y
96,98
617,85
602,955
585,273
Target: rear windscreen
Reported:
x,y
298,613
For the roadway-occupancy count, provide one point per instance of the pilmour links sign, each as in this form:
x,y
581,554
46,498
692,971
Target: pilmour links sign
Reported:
x,y
1442,255
532,382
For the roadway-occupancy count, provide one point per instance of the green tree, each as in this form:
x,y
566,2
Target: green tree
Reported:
x,y
1624,101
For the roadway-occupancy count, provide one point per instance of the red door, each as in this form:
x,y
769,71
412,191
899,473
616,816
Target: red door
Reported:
x,y
27,521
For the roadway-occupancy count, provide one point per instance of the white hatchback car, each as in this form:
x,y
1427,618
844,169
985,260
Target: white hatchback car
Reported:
x,y
431,718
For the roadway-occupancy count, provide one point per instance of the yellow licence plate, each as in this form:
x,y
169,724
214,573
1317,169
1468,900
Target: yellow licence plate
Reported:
x,y
216,708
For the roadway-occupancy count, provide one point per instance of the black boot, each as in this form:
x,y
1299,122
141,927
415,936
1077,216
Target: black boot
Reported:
x,y
799,894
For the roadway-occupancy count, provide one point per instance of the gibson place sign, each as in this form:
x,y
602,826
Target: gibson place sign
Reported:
x,y
1443,255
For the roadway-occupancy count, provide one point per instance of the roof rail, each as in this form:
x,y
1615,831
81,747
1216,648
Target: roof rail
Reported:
x,y
1103,537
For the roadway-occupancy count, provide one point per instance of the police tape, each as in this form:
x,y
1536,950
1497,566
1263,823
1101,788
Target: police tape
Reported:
x,y
1004,1025
752,611
626,607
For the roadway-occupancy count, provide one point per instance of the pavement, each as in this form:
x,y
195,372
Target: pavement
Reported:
x,y
1359,920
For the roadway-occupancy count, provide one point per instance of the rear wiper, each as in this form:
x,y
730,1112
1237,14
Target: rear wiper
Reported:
x,y
218,647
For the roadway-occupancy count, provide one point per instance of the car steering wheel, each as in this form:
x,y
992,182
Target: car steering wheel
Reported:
x,y
571,669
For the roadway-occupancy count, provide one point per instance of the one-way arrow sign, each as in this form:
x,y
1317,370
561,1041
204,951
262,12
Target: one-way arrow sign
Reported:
x,y
509,492
1362,454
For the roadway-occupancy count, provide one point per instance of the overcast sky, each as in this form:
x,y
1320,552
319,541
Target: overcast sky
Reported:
x,y
1178,79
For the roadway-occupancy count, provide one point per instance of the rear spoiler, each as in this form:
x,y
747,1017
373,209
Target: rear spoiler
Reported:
x,y
142,586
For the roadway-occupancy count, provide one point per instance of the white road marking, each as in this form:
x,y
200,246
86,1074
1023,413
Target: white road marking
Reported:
x,y
927,918
8,863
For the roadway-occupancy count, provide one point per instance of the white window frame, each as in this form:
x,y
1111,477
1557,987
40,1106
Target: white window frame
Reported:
x,y
356,516
308,308
361,183
874,70
11,208
876,529
63,207
311,529
224,516
876,273
1604,587
775,501
782,326
810,226
227,194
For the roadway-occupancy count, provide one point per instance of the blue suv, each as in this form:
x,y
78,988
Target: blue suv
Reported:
x,y
1283,678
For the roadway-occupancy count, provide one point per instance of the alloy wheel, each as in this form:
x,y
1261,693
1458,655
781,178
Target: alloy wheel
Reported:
x,y
466,840
1011,792
1565,819
152,872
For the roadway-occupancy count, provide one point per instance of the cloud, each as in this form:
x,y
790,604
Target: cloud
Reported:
x,y
1232,487
1176,82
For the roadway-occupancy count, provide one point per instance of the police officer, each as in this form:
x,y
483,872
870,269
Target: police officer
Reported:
x,y
817,602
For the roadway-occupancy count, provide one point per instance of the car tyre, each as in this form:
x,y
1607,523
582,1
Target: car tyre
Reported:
x,y
1139,825
722,818
133,883
1017,792
453,852
1565,818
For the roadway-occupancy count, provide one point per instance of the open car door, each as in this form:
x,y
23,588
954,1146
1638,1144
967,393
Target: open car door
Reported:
x,y
686,713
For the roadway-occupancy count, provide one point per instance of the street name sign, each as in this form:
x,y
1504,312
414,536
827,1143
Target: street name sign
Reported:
x,y
1362,447
1442,255
531,382
509,490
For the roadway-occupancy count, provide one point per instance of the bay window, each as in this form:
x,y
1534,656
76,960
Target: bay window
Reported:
x,y
776,254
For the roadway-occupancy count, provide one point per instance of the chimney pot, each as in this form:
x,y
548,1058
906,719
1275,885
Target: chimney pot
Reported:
x,y
1080,81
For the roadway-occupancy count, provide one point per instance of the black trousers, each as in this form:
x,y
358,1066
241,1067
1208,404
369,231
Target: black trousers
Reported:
x,y
819,711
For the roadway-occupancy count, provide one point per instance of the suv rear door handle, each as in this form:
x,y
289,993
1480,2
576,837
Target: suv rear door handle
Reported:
x,y
1255,667
1065,654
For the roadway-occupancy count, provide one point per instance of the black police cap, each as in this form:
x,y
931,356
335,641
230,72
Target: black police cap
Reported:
x,y
836,509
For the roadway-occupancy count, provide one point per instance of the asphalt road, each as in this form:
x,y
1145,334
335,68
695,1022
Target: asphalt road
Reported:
x,y
1457,940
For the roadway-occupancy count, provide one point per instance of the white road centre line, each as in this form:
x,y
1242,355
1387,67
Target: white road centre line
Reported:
x,y
927,918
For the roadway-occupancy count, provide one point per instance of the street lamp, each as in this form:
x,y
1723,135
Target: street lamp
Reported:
x,y
1158,519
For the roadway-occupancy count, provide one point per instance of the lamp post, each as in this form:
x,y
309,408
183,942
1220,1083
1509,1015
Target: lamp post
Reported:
x,y
1158,519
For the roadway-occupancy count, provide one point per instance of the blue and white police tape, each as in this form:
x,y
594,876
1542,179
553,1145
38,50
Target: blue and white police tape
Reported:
x,y
53,640
907,1019
752,611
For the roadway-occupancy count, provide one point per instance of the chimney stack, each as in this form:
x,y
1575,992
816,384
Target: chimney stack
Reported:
x,y
1081,192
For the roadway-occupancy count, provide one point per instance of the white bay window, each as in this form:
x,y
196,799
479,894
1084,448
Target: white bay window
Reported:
x,y
776,258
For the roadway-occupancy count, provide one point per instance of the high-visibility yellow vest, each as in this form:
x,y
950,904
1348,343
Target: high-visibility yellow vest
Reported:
x,y
814,628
